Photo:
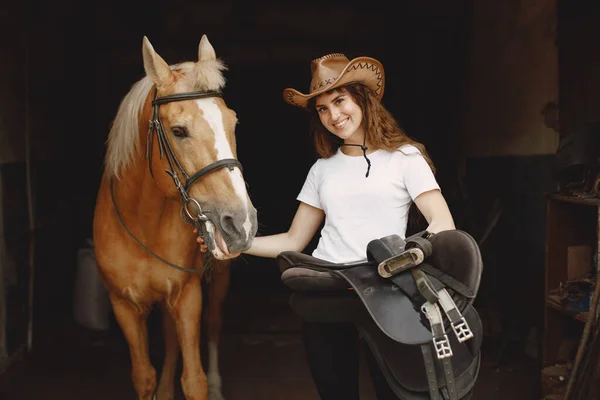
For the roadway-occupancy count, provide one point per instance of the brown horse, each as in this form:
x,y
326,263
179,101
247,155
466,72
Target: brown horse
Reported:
x,y
174,120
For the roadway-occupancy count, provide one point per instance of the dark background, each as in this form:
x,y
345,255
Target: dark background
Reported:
x,y
74,62
82,64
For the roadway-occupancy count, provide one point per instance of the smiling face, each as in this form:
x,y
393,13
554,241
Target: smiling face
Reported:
x,y
341,115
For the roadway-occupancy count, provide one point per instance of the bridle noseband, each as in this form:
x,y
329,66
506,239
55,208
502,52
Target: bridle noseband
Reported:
x,y
200,219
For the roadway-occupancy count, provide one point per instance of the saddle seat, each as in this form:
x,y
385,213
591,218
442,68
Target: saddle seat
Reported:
x,y
390,313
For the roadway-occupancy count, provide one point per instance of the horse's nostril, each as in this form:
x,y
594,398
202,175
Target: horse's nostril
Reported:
x,y
239,227
228,225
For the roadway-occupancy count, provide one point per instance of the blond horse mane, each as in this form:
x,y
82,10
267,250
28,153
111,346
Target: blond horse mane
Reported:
x,y
123,144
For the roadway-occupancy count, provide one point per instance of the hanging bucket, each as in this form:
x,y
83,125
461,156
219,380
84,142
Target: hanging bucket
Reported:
x,y
91,304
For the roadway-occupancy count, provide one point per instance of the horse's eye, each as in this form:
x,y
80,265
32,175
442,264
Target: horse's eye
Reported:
x,y
179,132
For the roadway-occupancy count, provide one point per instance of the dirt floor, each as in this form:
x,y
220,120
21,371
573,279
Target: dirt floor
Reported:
x,y
262,358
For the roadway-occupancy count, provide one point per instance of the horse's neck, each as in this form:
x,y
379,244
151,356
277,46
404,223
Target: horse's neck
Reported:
x,y
143,205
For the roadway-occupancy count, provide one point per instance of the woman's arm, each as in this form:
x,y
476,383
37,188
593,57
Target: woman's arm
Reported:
x,y
304,226
434,208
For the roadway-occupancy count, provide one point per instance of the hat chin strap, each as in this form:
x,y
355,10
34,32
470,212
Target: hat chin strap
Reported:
x,y
364,149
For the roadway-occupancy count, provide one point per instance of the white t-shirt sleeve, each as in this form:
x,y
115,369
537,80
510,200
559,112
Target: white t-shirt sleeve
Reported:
x,y
309,193
418,177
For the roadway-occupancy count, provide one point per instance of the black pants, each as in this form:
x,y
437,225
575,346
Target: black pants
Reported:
x,y
333,352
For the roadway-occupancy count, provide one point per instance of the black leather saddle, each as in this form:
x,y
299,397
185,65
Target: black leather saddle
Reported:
x,y
419,323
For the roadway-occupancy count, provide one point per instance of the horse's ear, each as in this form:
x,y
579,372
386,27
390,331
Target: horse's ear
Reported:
x,y
156,68
205,50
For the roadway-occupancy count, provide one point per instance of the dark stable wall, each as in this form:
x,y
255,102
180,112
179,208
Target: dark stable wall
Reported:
x,y
579,63
82,63
85,62
514,253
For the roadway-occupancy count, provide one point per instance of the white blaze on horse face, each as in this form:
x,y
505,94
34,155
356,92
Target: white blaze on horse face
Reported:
x,y
214,117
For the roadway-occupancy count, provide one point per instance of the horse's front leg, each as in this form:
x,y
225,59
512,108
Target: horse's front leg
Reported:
x,y
166,383
186,314
133,322
218,285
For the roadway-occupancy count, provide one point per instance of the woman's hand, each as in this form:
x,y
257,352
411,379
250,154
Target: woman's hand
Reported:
x,y
203,247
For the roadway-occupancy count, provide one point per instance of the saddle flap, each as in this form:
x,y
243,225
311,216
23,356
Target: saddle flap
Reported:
x,y
456,261
394,312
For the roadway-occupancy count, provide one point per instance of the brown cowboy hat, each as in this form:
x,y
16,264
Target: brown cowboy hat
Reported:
x,y
335,70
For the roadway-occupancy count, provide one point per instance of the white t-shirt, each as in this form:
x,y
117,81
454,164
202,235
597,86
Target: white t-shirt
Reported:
x,y
359,209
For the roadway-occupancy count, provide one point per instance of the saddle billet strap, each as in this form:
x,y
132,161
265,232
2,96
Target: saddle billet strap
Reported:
x,y
417,285
407,283
442,347
457,320
442,297
425,285
430,289
449,392
440,339
434,393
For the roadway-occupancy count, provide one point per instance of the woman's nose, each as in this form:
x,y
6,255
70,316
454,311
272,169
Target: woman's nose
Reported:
x,y
335,113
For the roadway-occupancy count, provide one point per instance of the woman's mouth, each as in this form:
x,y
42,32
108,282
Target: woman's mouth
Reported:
x,y
340,124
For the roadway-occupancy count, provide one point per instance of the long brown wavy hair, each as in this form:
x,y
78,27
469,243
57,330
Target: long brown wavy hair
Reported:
x,y
381,128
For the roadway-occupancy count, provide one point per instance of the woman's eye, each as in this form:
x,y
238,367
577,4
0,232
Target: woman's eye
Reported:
x,y
179,132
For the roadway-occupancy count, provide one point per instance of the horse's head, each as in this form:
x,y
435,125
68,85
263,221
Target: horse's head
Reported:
x,y
193,132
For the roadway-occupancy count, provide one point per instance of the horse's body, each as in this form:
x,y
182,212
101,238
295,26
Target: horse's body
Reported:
x,y
142,243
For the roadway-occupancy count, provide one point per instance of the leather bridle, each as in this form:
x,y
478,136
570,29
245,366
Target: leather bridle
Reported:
x,y
195,217
164,146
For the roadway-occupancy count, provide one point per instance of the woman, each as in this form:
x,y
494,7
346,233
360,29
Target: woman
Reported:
x,y
367,177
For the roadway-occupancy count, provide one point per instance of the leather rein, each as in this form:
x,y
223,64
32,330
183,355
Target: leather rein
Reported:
x,y
196,216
